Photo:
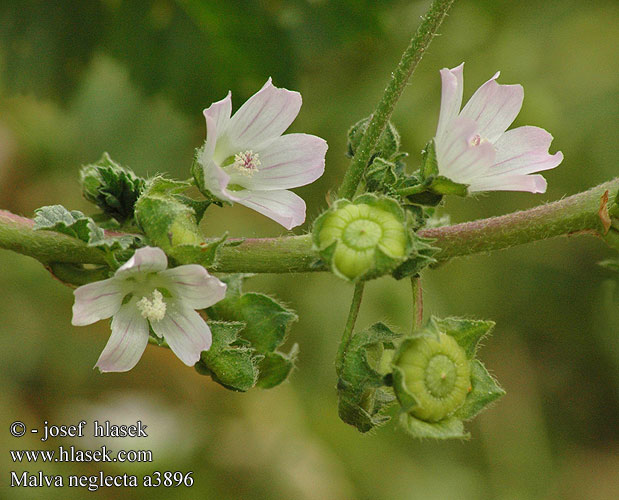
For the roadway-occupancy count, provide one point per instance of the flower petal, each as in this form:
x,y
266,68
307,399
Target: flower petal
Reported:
x,y
96,301
185,331
144,260
289,161
220,112
284,207
451,97
459,157
193,286
263,117
127,342
494,107
530,183
524,150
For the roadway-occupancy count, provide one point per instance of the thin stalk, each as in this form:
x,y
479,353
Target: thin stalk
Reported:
x,y
417,303
350,325
426,31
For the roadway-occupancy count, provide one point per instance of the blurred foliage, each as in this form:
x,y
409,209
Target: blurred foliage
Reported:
x,y
131,78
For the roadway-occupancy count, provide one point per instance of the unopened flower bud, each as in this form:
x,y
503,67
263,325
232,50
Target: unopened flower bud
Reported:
x,y
113,188
363,239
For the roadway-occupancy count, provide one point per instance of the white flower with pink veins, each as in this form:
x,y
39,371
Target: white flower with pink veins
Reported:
x,y
142,292
473,146
247,160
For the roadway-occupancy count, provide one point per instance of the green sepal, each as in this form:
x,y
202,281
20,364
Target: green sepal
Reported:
x,y
112,187
380,175
267,323
467,332
443,186
484,391
197,172
449,428
483,387
363,266
276,366
361,396
387,147
229,361
429,167
421,256
198,206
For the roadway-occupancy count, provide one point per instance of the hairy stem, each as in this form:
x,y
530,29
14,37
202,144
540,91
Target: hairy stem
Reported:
x,y
350,325
417,303
582,213
399,78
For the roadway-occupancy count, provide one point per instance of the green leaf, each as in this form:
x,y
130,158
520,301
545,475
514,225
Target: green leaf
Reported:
x,y
467,332
276,366
72,223
229,361
113,188
266,320
266,324
448,428
361,398
484,390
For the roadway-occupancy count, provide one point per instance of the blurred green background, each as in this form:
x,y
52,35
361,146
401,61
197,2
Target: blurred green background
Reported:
x,y
131,77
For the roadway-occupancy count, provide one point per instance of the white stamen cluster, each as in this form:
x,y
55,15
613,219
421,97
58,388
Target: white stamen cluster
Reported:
x,y
247,162
152,309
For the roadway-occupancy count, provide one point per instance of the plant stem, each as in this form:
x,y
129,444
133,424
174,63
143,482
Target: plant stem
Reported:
x,y
350,325
417,302
399,78
577,214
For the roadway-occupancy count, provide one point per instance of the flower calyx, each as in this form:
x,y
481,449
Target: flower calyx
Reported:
x,y
437,380
363,239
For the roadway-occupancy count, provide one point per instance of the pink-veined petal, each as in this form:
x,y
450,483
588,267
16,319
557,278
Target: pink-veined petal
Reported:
x,y
144,260
127,342
215,179
524,150
284,207
185,331
459,157
289,161
96,301
192,285
263,117
220,112
530,183
494,107
451,97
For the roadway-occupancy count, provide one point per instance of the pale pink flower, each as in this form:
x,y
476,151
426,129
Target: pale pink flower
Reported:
x,y
143,291
247,160
473,147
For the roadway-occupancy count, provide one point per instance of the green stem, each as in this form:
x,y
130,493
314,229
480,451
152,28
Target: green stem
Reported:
x,y
350,325
399,78
577,214
417,303
412,190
